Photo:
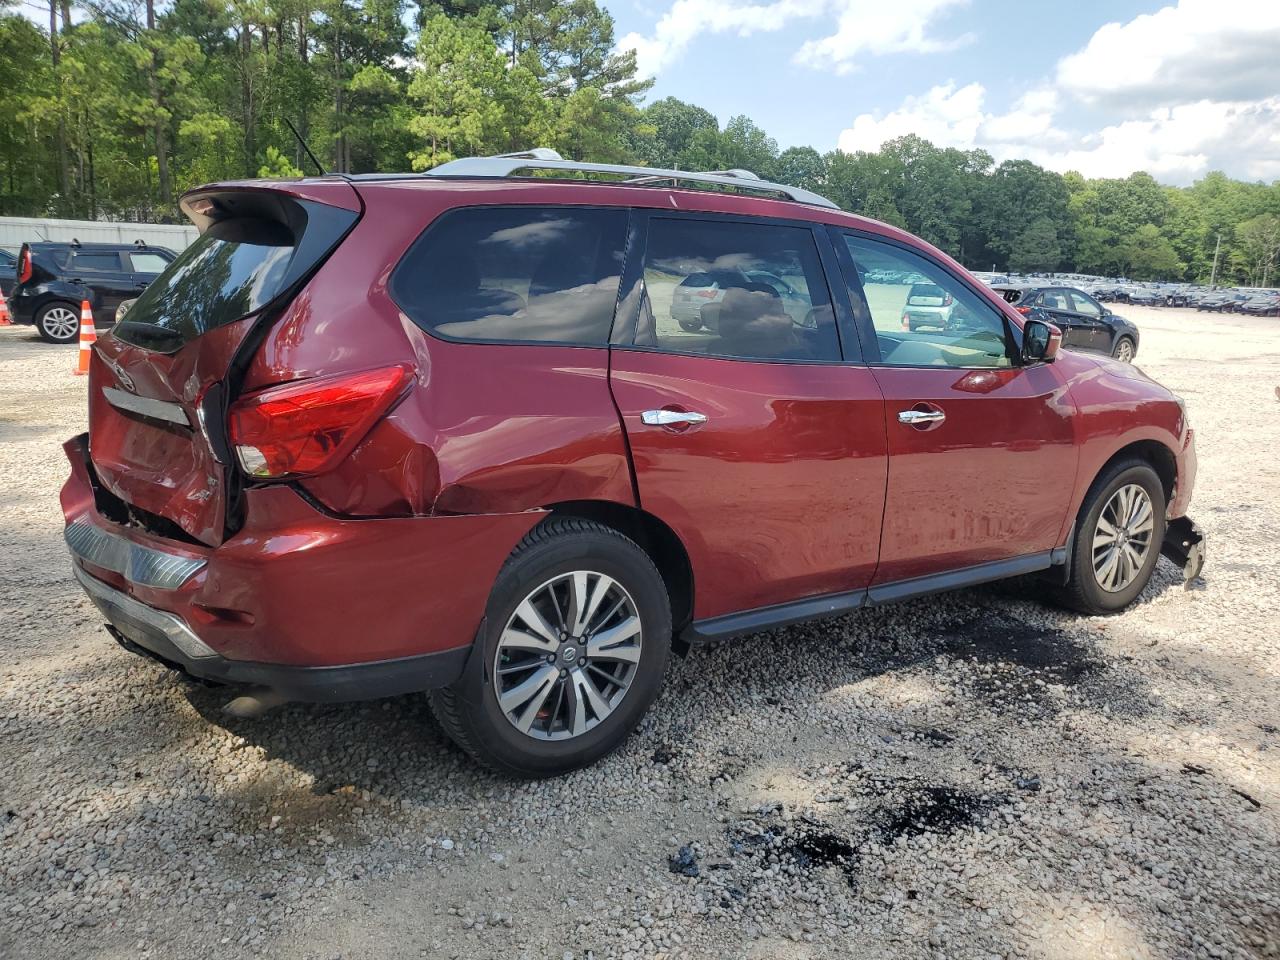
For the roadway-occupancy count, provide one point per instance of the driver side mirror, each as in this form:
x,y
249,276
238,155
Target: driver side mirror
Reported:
x,y
1040,342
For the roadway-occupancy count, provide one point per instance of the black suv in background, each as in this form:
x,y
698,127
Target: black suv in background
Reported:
x,y
1085,323
8,272
54,278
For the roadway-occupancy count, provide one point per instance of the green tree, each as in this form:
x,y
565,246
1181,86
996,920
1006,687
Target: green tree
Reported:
x,y
1036,248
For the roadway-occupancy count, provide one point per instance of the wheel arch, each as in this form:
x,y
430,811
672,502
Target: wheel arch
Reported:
x,y
1157,454
654,537
1153,452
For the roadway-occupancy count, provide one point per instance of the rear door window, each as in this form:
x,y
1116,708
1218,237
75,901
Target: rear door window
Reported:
x,y
735,289
1055,300
523,274
96,262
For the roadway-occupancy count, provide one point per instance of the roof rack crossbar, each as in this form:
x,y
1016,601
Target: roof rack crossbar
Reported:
x,y
541,158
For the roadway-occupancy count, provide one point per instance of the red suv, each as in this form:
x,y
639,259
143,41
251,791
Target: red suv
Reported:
x,y
372,435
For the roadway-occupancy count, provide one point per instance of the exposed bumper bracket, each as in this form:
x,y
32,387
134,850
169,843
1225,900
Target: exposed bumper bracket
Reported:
x,y
1184,545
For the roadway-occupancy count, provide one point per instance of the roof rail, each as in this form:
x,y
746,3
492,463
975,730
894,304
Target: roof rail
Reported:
x,y
541,158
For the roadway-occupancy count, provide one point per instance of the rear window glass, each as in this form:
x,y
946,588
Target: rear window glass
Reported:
x,y
525,274
96,261
233,269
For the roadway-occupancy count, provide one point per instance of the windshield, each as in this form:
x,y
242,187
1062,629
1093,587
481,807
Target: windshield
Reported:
x,y
234,269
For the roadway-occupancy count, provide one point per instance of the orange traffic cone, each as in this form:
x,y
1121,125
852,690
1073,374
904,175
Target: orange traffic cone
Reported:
x,y
88,337
5,319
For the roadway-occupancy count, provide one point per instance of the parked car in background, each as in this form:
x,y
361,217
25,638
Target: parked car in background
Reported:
x,y
438,433
1085,323
927,305
1261,305
8,272
989,278
54,279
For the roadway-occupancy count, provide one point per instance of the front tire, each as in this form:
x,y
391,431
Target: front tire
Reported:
x,y
1124,350
570,656
58,322
1117,539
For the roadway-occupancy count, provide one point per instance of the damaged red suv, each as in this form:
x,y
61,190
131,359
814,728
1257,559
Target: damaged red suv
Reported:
x,y
374,435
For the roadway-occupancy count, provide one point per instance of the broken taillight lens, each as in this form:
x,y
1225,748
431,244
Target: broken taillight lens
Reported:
x,y
309,426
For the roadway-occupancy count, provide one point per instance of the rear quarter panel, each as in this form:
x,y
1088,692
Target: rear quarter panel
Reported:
x,y
486,428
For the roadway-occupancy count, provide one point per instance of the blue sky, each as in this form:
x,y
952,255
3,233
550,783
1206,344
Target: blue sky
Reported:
x,y
1177,89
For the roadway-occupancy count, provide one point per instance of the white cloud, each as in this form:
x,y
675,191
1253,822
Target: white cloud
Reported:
x,y
1186,90
862,27
1174,144
1223,50
945,116
878,27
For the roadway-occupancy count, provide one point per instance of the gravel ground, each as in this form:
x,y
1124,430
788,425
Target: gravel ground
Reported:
x,y
974,775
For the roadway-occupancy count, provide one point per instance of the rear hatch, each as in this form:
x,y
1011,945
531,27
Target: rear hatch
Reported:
x,y
161,382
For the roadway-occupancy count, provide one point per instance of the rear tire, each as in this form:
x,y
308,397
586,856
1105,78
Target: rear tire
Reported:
x,y
690,326
1124,350
58,322
537,734
1131,492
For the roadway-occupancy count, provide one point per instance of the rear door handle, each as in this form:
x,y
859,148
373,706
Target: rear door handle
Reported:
x,y
672,418
915,417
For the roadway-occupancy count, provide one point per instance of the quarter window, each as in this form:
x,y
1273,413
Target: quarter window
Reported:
x,y
735,289
922,314
515,273
148,262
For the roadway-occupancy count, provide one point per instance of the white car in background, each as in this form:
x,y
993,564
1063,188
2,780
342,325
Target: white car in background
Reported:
x,y
927,305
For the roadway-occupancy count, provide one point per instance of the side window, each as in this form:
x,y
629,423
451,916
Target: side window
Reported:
x,y
100,262
923,316
533,274
1084,305
148,262
748,290
1055,300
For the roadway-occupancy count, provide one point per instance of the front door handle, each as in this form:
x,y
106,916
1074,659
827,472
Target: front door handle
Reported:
x,y
672,418
917,417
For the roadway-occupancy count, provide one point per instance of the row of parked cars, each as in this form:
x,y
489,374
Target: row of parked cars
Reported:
x,y
1250,300
46,282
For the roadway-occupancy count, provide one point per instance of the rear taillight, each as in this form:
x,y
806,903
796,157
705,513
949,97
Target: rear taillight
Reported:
x,y
946,300
1023,310
705,294
308,427
24,266
906,321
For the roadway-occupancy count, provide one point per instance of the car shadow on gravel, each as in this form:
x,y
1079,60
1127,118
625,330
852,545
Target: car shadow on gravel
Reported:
x,y
395,748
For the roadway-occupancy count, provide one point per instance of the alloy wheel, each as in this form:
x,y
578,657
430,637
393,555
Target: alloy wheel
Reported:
x,y
1124,352
60,323
567,655
1122,539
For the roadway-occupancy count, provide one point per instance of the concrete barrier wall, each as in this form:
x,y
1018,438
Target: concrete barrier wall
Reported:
x,y
15,231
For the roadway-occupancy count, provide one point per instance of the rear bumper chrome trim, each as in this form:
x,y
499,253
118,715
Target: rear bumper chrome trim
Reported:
x,y
145,566
147,407
133,618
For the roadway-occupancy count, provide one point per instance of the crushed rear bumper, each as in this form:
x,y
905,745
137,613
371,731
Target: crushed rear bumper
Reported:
x,y
165,637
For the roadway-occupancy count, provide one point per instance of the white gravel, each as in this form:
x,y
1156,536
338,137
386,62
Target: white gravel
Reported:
x,y
975,775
